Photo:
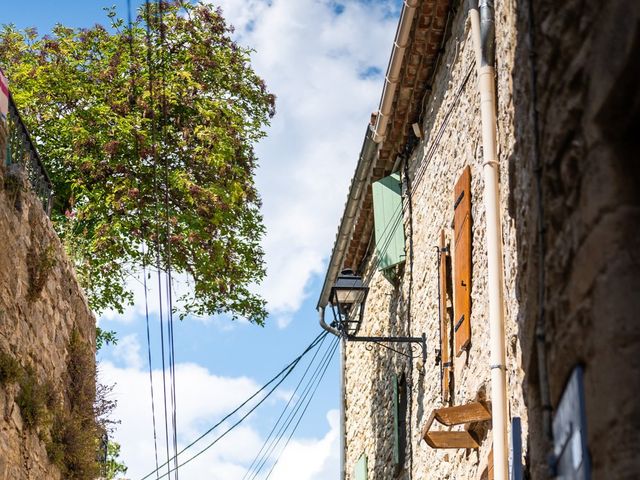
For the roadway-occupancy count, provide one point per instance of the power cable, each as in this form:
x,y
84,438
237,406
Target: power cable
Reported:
x,y
285,408
142,230
261,457
285,372
282,431
167,240
293,431
156,215
318,373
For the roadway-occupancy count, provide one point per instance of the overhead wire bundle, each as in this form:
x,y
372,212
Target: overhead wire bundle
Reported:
x,y
291,416
297,405
162,248
247,407
133,104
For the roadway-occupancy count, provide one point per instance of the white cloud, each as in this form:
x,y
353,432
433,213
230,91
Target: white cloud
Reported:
x,y
318,64
311,459
314,60
283,320
204,398
127,350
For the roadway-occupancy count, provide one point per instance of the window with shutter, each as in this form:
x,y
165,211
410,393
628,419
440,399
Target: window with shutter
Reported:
x,y
446,366
399,421
387,216
462,262
360,472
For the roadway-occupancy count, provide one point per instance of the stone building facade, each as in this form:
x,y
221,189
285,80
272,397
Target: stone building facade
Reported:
x,y
45,327
568,100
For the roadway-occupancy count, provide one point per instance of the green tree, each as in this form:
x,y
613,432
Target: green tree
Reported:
x,y
113,466
147,131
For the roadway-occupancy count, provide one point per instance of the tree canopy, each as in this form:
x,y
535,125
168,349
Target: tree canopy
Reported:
x,y
148,130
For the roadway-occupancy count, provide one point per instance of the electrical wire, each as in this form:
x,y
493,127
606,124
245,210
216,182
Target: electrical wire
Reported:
x,y
285,372
156,215
167,240
284,410
267,395
142,230
269,444
307,393
293,431
318,373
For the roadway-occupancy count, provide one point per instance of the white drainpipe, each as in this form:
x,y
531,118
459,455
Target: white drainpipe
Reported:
x,y
483,33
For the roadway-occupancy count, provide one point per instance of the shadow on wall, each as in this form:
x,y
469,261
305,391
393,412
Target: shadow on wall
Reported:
x,y
380,408
588,106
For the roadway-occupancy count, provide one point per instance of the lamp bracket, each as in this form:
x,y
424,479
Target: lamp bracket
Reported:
x,y
422,341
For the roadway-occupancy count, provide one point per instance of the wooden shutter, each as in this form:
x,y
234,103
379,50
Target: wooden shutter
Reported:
x,y
360,472
387,216
446,366
462,262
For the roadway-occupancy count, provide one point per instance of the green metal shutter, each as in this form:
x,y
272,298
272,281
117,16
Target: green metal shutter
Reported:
x,y
360,472
396,422
399,421
389,227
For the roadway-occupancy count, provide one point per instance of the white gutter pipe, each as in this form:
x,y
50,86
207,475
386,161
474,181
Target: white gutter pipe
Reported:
x,y
359,185
375,135
483,33
357,191
393,70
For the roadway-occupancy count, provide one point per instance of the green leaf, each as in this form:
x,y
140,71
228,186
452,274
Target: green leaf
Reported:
x,y
93,100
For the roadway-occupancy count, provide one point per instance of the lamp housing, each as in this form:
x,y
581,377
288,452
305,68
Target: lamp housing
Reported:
x,y
347,297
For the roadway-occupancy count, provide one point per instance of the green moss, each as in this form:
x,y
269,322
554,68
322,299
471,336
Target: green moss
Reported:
x,y
35,399
10,369
65,422
40,266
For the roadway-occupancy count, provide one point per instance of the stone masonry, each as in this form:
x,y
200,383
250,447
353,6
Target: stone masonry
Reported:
x,y
588,104
35,324
450,142
567,103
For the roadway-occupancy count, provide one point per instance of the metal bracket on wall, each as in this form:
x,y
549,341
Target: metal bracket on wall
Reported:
x,y
422,341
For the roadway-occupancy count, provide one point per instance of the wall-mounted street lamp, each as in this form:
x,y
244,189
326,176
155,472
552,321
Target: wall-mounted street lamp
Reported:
x,y
347,299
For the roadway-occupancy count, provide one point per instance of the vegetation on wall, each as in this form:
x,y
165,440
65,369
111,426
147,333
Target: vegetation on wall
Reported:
x,y
40,264
148,137
36,399
10,369
75,431
70,421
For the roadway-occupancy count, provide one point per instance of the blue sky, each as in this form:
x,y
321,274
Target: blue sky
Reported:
x,y
325,61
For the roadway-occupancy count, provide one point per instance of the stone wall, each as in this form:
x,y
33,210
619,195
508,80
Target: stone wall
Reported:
x,y
451,141
588,104
41,304
568,107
